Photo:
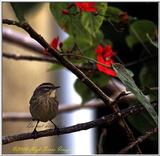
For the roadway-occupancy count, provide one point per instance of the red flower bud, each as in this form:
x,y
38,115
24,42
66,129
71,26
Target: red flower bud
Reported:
x,y
65,12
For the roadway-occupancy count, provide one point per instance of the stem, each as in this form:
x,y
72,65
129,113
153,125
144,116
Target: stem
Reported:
x,y
87,58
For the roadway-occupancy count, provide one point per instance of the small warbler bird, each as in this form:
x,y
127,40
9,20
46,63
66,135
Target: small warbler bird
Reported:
x,y
44,107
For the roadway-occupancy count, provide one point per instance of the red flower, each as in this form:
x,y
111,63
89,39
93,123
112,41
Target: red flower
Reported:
x,y
99,49
86,6
104,56
55,42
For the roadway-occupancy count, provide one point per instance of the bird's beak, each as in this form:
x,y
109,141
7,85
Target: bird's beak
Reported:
x,y
56,87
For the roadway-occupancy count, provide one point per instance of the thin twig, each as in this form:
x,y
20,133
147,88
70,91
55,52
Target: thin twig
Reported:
x,y
107,120
30,58
46,58
139,140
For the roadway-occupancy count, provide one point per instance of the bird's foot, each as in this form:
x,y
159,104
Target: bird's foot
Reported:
x,y
34,134
56,129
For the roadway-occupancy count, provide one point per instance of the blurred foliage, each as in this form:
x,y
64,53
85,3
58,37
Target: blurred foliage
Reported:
x,y
139,30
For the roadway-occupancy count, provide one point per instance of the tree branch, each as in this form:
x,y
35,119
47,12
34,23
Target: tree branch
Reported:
x,y
12,116
106,120
22,40
30,58
139,140
47,59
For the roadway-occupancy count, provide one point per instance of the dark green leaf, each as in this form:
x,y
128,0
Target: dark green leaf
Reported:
x,y
139,31
69,23
149,78
86,48
100,79
142,122
128,81
86,94
113,13
63,20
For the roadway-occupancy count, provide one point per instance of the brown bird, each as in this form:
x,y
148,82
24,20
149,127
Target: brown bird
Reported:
x,y
44,107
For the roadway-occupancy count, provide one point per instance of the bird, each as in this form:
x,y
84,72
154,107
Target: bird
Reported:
x,y
43,107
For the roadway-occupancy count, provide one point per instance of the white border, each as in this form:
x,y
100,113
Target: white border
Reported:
x,y
1,80
73,1
80,1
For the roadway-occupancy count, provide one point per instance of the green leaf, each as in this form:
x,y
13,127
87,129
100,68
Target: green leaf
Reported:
x,y
154,43
22,8
139,31
131,41
139,121
128,81
78,34
86,94
93,22
72,25
69,23
113,14
149,78
100,79
56,10
86,48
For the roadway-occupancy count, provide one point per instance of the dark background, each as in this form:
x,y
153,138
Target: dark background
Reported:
x,y
115,139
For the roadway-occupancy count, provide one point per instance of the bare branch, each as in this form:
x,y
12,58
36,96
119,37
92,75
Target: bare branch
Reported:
x,y
47,59
106,120
139,140
30,58
21,40
12,116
